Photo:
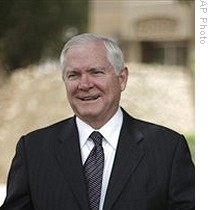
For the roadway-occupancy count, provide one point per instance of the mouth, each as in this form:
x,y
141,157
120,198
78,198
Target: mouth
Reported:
x,y
89,98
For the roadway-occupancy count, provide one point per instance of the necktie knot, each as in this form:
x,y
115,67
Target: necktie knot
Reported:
x,y
97,138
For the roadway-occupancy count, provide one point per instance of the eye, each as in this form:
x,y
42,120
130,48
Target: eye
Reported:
x,y
97,71
72,75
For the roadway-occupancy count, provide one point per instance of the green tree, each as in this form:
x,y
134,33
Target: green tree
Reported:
x,y
31,29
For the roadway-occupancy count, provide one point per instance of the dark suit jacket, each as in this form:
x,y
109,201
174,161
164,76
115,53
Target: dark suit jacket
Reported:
x,y
152,170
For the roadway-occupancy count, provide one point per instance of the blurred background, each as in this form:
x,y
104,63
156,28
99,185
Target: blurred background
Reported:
x,y
157,38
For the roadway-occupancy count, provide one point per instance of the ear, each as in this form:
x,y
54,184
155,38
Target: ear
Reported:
x,y
123,78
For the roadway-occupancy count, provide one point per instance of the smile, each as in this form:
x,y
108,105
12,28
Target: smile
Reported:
x,y
89,98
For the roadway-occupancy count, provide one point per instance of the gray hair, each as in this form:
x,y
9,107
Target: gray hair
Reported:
x,y
114,53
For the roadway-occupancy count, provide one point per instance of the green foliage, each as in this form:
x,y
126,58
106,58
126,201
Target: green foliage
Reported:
x,y
191,142
31,29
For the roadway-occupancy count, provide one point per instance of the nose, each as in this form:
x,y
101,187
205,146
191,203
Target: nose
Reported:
x,y
85,82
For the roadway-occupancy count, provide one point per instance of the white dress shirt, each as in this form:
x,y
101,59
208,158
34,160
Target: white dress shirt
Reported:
x,y
110,132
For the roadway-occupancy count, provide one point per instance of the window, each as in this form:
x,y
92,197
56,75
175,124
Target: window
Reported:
x,y
166,53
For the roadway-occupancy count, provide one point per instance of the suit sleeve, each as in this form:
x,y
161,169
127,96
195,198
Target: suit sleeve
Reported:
x,y
182,182
18,195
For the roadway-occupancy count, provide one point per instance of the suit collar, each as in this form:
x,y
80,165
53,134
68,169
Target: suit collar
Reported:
x,y
67,152
131,127
130,153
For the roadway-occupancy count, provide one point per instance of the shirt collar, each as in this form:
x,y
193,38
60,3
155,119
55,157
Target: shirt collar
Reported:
x,y
110,131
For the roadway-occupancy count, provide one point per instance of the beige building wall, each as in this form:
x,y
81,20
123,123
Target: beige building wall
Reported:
x,y
132,23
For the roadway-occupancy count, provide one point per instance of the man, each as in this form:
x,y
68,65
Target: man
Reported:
x,y
102,158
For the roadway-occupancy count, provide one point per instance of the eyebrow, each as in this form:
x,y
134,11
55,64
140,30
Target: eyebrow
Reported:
x,y
97,68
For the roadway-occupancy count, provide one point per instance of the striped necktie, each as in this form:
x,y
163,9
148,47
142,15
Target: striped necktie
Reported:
x,y
93,170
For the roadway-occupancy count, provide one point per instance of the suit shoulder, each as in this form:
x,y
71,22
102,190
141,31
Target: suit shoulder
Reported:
x,y
158,128
50,131
159,137
150,129
161,129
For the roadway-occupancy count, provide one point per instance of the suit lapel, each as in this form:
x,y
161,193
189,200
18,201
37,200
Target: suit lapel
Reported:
x,y
129,154
67,151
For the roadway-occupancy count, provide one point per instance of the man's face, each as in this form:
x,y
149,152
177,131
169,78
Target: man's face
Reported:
x,y
93,88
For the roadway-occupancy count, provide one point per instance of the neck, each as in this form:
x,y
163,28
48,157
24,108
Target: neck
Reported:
x,y
97,123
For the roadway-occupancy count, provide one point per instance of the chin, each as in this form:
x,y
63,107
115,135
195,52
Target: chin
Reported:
x,y
92,114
